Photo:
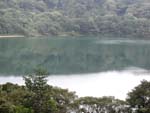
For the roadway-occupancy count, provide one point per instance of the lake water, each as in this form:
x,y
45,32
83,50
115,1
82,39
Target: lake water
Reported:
x,y
91,66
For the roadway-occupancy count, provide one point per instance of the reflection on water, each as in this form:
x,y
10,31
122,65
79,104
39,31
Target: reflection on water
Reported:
x,y
72,55
112,83
122,41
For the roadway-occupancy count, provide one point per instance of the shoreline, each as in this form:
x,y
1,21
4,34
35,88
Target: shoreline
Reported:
x,y
12,36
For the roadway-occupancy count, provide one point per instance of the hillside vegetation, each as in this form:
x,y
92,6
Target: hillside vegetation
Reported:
x,y
75,17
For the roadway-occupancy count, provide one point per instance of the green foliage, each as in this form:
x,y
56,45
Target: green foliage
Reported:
x,y
139,97
39,97
75,17
37,85
63,99
37,82
36,97
22,109
55,100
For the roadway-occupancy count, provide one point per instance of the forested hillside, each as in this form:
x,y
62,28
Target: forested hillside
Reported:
x,y
75,17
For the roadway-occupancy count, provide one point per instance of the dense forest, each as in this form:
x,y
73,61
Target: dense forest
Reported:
x,y
39,97
75,17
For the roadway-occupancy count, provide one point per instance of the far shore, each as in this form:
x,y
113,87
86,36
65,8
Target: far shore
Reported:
x,y
11,36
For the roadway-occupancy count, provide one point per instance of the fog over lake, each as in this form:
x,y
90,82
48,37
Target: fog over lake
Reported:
x,y
111,83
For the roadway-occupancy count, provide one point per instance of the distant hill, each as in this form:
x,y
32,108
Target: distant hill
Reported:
x,y
75,17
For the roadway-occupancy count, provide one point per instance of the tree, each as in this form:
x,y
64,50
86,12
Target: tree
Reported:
x,y
50,17
12,98
63,98
40,101
139,97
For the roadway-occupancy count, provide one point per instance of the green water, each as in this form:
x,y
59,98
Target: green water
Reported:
x,y
70,55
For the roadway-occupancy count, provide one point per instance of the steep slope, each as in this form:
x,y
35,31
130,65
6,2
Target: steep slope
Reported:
x,y
75,17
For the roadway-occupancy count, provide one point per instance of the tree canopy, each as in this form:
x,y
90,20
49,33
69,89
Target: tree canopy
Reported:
x,y
39,97
139,97
75,17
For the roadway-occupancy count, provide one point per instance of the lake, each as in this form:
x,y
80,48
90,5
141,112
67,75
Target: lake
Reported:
x,y
91,66
72,55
